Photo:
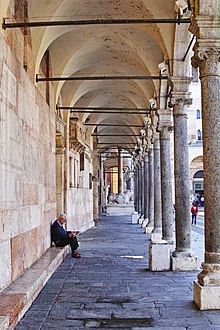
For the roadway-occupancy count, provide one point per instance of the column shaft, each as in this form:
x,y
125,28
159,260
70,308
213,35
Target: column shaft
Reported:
x,y
210,83
166,186
181,174
146,190
120,172
142,188
136,189
150,224
139,188
157,189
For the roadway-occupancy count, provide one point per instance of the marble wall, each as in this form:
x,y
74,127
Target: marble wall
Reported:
x,y
28,163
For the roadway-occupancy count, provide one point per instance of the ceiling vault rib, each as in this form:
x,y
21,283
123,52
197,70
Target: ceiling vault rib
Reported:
x,y
94,22
161,77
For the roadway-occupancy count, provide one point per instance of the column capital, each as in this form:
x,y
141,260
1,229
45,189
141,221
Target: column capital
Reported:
x,y
180,104
207,59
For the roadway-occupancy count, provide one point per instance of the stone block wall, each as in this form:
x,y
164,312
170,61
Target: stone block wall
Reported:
x,y
27,163
28,199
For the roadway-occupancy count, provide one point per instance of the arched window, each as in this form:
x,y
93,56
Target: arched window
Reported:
x,y
198,115
198,175
199,135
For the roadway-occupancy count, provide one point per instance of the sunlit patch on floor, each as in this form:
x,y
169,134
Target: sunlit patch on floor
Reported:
x,y
133,257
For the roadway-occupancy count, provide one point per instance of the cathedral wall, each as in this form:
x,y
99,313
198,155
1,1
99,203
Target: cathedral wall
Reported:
x,y
34,178
27,163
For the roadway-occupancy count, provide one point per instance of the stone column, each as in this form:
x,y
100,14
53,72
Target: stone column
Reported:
x,y
135,215
135,188
150,225
142,189
183,258
120,172
139,186
95,180
138,190
159,252
145,176
165,127
207,57
156,234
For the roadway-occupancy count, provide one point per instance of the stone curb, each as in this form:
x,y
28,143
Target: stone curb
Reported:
x,y
17,298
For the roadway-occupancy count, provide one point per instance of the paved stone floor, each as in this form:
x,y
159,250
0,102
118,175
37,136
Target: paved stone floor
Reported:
x,y
110,287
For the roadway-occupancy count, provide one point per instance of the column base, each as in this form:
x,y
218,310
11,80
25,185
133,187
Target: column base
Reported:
x,y
185,261
206,297
160,256
148,229
134,217
144,223
156,235
141,219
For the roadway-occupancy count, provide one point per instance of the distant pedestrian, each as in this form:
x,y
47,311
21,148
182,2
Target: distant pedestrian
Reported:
x,y
194,212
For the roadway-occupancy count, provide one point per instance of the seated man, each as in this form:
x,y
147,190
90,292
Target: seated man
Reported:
x,y
61,237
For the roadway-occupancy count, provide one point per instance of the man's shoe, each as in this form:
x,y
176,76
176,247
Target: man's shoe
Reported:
x,y
76,255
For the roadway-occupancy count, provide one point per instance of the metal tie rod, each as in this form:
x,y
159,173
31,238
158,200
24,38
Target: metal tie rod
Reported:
x,y
110,135
117,143
103,108
94,22
113,125
76,78
113,112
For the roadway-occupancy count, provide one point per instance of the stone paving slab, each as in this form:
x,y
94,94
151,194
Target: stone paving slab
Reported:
x,y
111,287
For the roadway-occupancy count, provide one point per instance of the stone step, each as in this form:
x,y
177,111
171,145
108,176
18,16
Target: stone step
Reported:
x,y
17,298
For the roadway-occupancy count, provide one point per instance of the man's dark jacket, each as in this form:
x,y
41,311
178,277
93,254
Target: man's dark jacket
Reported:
x,y
58,232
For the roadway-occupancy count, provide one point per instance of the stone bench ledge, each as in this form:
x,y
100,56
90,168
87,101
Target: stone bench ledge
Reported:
x,y
17,298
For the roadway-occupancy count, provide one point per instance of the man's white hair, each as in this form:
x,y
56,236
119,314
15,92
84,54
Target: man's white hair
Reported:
x,y
62,216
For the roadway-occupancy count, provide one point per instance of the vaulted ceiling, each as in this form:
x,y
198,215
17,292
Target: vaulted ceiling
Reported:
x,y
105,50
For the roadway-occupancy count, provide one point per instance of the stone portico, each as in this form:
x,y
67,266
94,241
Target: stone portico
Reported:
x,y
89,106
